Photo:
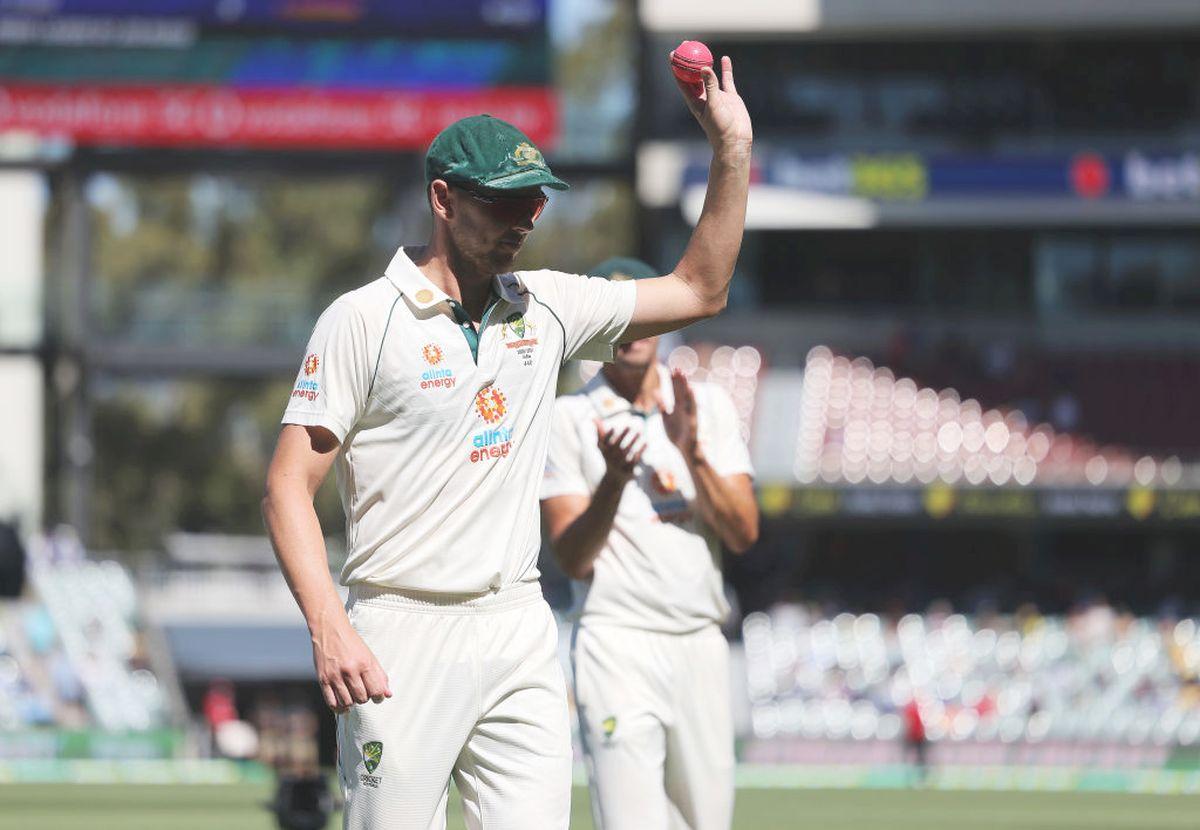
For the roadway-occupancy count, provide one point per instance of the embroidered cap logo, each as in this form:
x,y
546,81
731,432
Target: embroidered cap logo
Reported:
x,y
526,153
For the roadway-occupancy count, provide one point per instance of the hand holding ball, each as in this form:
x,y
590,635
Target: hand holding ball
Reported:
x,y
687,60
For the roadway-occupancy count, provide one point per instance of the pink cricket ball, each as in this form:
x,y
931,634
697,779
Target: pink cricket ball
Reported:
x,y
687,60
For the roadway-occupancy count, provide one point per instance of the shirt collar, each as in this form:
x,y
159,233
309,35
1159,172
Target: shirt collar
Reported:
x,y
607,402
414,285
510,288
422,293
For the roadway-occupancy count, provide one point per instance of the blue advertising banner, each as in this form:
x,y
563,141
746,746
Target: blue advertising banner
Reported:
x,y
407,17
910,177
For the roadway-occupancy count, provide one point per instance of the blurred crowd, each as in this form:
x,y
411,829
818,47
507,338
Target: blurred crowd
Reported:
x,y
1093,676
73,652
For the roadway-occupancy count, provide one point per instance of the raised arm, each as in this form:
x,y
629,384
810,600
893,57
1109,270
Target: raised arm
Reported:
x,y
346,669
699,285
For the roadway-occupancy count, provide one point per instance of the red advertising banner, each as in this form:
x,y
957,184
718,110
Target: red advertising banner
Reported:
x,y
194,116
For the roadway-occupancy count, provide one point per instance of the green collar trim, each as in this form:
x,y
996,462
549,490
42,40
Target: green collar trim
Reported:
x,y
467,326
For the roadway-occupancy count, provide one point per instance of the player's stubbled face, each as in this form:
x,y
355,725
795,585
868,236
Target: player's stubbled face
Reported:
x,y
490,234
637,354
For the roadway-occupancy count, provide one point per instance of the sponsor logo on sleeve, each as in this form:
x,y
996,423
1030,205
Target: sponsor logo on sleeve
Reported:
x,y
305,389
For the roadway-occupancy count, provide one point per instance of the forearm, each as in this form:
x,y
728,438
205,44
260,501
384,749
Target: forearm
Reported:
x,y
723,506
299,545
708,262
577,547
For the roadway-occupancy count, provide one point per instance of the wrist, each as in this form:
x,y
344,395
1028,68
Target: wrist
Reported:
x,y
694,456
326,618
614,480
735,153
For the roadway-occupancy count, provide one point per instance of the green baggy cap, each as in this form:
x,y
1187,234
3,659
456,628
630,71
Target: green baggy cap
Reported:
x,y
623,268
485,152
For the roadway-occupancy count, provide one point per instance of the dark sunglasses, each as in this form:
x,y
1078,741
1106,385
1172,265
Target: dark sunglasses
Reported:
x,y
509,208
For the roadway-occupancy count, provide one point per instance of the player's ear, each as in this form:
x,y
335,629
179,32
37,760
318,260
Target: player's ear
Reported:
x,y
440,201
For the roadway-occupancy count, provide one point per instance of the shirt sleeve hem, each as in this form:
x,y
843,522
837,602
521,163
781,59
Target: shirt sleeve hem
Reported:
x,y
562,490
315,419
733,470
629,307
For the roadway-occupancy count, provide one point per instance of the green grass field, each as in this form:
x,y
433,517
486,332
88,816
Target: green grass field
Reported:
x,y
155,807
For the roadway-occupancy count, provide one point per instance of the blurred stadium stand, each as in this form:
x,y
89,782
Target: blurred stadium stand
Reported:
x,y
78,653
1093,688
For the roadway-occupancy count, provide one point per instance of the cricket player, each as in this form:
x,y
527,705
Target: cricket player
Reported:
x,y
647,475
431,390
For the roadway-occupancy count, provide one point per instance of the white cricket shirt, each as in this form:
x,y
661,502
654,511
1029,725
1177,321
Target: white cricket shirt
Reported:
x,y
442,452
660,569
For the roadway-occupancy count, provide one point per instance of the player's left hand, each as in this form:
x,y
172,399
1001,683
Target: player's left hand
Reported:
x,y
681,422
720,110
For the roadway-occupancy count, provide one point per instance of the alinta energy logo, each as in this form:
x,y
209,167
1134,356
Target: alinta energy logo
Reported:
x,y
435,378
491,444
308,389
491,404
663,482
669,504
372,754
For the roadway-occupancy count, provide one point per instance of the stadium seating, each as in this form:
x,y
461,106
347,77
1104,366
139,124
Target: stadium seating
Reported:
x,y
72,654
1078,686
859,423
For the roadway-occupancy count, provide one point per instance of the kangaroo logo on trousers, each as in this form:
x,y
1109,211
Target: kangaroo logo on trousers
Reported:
x,y
609,725
372,753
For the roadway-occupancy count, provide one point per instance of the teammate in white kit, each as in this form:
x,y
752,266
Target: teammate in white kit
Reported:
x,y
647,475
431,390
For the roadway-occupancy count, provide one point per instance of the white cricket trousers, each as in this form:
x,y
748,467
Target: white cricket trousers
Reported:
x,y
654,715
477,694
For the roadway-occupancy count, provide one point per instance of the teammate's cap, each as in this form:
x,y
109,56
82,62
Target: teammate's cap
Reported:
x,y
483,151
624,268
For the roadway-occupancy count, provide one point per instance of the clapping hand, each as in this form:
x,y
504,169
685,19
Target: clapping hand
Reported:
x,y
681,422
621,450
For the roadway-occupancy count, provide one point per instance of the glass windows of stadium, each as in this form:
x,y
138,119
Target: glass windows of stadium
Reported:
x,y
999,95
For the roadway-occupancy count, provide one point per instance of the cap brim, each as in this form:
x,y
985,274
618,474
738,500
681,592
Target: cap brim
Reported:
x,y
526,178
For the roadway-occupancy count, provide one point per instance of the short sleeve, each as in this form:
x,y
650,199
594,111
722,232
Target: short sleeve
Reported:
x,y
331,387
721,434
594,312
564,463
